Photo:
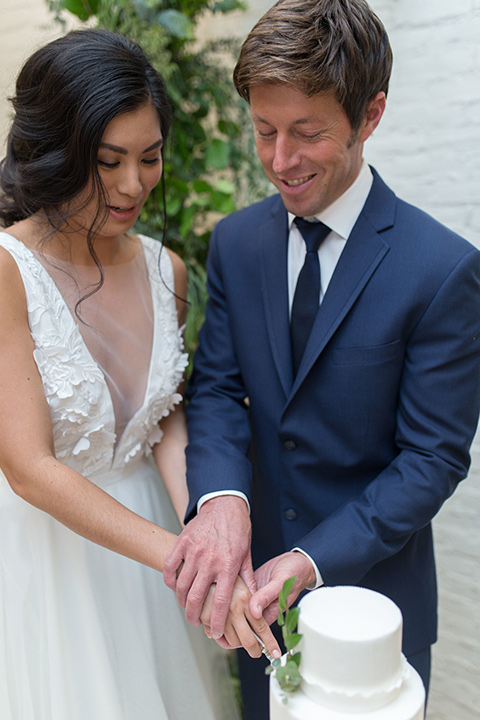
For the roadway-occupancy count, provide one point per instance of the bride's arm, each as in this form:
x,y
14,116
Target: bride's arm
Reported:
x,y
169,454
27,455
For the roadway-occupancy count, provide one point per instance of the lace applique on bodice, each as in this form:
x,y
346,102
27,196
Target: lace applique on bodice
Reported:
x,y
80,404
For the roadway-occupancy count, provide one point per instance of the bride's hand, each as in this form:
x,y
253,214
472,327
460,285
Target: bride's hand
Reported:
x,y
240,624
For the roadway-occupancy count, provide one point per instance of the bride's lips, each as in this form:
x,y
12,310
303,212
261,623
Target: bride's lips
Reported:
x,y
122,213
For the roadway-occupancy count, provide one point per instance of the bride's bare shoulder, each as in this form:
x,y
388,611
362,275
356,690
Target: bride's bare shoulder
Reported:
x,y
12,292
180,279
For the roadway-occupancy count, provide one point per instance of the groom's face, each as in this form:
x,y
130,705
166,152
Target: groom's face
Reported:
x,y
306,146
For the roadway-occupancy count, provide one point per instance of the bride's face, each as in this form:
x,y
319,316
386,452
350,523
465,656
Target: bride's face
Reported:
x,y
130,165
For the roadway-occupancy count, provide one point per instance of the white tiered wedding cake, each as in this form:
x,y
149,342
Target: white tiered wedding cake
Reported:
x,y
352,666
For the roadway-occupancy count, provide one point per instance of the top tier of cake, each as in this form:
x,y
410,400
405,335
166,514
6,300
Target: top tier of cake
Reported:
x,y
351,649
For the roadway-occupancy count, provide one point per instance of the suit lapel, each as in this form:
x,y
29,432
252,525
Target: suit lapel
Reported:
x,y
273,262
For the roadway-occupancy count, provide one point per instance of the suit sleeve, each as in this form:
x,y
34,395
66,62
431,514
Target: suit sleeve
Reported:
x,y
438,407
218,424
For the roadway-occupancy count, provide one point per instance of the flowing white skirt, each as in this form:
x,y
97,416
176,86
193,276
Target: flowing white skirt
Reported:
x,y
86,634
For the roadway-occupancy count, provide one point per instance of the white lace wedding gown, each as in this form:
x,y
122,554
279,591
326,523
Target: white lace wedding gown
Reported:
x,y
86,634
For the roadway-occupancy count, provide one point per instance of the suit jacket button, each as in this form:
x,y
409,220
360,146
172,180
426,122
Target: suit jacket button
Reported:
x,y
290,445
290,514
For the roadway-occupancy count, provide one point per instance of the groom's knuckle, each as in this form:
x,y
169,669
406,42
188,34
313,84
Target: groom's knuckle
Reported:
x,y
222,596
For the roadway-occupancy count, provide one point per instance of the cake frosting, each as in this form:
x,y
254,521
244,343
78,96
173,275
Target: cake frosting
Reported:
x,y
352,665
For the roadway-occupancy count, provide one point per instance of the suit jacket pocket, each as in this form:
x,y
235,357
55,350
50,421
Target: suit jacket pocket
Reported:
x,y
371,355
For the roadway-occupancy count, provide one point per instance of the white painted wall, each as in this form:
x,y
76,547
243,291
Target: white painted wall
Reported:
x,y
25,25
428,149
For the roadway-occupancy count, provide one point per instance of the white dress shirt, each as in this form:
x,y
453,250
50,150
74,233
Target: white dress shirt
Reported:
x,y
340,216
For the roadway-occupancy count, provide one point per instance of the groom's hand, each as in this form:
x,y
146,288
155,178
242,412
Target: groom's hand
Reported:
x,y
270,578
214,548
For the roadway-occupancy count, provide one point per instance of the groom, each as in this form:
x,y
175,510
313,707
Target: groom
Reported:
x,y
336,386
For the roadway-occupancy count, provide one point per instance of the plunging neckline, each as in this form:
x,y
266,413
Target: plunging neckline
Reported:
x,y
118,443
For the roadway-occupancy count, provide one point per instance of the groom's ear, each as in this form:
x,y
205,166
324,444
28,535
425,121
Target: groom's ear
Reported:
x,y
373,115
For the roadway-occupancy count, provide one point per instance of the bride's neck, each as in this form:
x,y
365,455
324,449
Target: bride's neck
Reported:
x,y
71,245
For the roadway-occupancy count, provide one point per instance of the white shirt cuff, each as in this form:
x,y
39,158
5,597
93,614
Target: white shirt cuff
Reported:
x,y
219,493
318,577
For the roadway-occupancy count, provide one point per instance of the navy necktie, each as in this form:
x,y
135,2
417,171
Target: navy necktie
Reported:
x,y
307,292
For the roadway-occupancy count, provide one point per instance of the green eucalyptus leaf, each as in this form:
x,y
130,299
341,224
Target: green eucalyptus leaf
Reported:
x,y
286,590
177,24
292,619
296,658
292,640
288,677
280,619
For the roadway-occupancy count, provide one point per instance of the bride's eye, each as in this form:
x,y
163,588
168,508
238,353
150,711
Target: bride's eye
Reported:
x,y
107,164
151,161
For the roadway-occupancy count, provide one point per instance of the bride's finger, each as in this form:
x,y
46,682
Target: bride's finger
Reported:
x,y
262,630
231,636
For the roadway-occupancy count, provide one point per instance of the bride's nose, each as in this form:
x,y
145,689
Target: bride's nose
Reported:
x,y
129,183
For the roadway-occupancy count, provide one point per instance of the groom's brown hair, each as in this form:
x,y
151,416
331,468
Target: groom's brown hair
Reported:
x,y
336,47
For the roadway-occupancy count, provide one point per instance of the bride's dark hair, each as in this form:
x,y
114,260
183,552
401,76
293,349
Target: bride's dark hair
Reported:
x,y
66,94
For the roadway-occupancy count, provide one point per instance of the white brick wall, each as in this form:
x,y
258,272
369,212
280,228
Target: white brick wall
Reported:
x,y
428,148
428,143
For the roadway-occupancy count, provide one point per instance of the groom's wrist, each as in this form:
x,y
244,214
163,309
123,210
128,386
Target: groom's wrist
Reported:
x,y
318,581
222,493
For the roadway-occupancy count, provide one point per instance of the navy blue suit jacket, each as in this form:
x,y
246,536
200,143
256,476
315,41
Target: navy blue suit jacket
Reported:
x,y
351,459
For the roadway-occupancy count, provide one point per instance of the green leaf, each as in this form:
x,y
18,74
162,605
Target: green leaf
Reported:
x,y
177,24
218,154
280,619
202,186
286,590
292,619
228,127
292,640
173,205
226,6
188,216
225,186
296,658
83,9
288,677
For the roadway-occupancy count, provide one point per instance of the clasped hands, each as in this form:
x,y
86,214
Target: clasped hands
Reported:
x,y
210,570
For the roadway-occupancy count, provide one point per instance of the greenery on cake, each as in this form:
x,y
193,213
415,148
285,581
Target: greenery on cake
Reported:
x,y
287,673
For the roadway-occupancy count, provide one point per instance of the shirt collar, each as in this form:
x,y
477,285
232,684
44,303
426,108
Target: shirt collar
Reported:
x,y
342,214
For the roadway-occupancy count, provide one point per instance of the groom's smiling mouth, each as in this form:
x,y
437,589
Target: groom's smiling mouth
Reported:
x,y
298,181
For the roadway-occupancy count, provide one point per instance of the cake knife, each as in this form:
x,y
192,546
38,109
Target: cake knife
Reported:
x,y
269,657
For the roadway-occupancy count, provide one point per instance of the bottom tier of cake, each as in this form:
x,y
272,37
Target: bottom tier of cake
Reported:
x,y
408,705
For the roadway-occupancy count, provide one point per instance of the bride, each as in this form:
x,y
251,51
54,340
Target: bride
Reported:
x,y
92,431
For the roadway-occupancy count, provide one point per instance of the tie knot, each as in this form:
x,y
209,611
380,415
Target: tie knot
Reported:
x,y
314,233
